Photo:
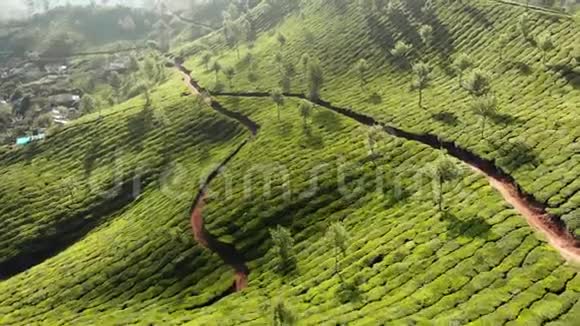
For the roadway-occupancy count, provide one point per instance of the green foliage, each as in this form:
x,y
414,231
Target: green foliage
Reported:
x,y
422,76
305,109
281,39
337,239
88,104
278,99
230,73
545,44
315,78
5,115
502,42
205,59
284,247
401,51
485,106
477,83
374,135
282,315
426,33
462,63
441,171
361,68
524,25
216,67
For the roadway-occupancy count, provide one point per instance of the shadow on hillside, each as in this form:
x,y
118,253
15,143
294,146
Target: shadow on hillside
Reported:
x,y
380,34
375,98
217,131
395,196
448,118
284,128
69,230
442,39
328,119
504,119
349,291
514,155
522,67
477,15
475,227
401,21
567,72
312,139
30,151
138,126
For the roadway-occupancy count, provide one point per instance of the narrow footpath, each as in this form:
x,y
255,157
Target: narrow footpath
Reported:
x,y
535,212
227,252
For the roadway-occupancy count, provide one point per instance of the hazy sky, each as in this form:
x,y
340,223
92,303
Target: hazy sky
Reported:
x,y
10,9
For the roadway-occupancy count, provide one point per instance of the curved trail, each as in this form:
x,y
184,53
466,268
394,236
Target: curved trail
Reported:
x,y
227,252
534,211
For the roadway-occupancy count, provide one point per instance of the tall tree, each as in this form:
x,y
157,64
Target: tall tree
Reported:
x,y
87,104
216,68
284,247
361,68
524,26
278,99
502,43
282,315
485,106
401,51
205,60
315,79
337,238
477,83
304,60
426,33
462,63
230,73
281,39
546,44
305,108
442,171
422,72
374,134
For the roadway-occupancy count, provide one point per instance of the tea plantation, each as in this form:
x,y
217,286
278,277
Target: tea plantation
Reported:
x,y
96,229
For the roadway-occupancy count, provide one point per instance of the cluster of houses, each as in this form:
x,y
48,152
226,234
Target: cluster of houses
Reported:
x,y
48,85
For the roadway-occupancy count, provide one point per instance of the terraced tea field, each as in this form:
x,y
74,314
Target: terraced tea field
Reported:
x,y
161,200
535,134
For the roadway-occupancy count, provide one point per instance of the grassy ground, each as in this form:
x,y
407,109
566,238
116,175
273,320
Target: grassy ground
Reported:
x,y
406,262
139,250
534,136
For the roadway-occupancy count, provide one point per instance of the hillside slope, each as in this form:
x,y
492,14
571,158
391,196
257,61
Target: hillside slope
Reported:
x,y
537,141
473,260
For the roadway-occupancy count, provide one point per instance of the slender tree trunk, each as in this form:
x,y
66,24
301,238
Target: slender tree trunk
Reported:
x,y
483,128
544,58
460,79
278,107
440,194
421,97
336,262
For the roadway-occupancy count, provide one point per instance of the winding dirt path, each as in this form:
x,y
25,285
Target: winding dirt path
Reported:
x,y
534,211
227,252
